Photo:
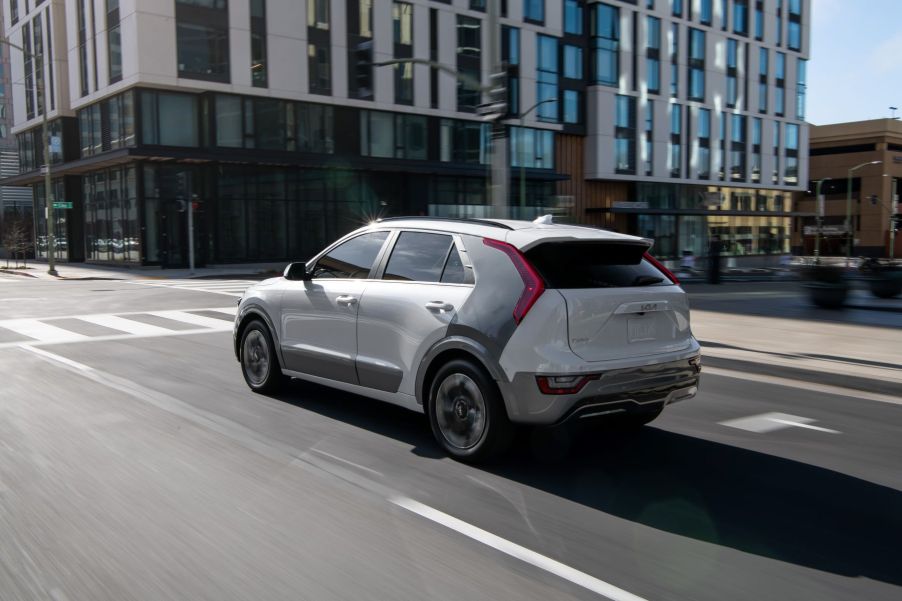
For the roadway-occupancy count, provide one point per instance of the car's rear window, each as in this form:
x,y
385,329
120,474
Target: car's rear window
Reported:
x,y
594,265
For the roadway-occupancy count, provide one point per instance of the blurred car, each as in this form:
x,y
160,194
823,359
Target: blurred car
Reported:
x,y
481,324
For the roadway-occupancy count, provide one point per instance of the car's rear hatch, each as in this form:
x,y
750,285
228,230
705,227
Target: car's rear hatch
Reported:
x,y
619,305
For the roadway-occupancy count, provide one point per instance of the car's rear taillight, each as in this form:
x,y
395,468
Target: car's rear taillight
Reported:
x,y
563,384
533,286
660,267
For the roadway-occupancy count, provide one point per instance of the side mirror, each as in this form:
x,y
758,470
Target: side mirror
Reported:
x,y
296,271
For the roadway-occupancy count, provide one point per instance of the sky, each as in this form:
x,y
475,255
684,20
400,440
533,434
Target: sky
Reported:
x,y
855,72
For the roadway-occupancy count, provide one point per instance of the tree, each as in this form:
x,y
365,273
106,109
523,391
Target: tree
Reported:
x,y
16,241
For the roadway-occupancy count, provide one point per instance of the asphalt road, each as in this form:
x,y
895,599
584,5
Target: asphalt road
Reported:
x,y
138,465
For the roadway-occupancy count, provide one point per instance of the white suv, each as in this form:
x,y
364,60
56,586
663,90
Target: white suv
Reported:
x,y
481,324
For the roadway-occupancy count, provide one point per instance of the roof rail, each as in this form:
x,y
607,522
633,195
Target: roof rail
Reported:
x,y
475,221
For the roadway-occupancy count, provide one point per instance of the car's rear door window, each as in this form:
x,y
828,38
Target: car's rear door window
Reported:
x,y
454,272
351,259
594,265
418,257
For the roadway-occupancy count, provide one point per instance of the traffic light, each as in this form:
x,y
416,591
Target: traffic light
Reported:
x,y
363,69
896,222
496,107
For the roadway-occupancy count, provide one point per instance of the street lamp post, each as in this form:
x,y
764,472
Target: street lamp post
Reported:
x,y
849,236
48,189
522,151
819,218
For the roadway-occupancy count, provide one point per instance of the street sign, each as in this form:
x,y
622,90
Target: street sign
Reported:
x,y
827,230
56,144
62,204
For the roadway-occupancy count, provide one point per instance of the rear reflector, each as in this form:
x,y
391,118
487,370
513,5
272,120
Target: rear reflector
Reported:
x,y
533,286
563,384
660,267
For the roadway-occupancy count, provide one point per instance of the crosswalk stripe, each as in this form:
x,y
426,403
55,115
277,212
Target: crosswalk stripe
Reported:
x,y
44,332
227,310
125,325
198,320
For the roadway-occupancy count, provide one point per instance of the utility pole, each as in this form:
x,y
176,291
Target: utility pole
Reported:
x,y
894,205
849,234
500,164
819,219
49,214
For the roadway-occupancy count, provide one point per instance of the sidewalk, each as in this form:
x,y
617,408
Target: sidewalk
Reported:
x,y
84,271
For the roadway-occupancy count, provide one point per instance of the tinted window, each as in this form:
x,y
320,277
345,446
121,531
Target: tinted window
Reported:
x,y
353,259
418,257
594,265
454,269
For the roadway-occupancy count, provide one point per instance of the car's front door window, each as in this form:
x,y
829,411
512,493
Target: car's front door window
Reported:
x,y
352,259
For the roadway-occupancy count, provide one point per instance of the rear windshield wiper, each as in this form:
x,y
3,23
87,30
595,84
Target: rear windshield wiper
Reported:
x,y
647,280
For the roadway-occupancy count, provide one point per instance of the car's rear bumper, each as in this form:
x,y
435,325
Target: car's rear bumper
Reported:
x,y
641,388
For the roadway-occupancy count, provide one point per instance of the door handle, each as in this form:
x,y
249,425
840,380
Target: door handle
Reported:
x,y
346,300
439,306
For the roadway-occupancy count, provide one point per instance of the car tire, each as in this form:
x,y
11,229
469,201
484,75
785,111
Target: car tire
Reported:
x,y
466,412
259,363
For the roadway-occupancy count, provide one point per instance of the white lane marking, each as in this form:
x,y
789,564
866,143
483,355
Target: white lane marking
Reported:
x,y
812,386
346,461
58,358
771,422
517,551
227,310
125,325
41,331
196,320
113,337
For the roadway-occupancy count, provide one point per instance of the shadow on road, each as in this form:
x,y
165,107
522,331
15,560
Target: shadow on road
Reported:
x,y
712,492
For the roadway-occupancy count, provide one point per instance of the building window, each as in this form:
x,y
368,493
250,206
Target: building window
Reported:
x,y
737,148
532,148
674,60
13,11
318,14
202,39
741,17
653,55
28,59
40,90
606,44
676,7
571,106
676,140
402,20
763,60
780,87
510,54
573,17
114,40
625,135
82,46
111,224
759,20
756,150
776,175
168,118
320,69
534,10
433,56
779,22
791,175
706,15
469,50
573,62
464,141
392,135
801,85
272,124
697,65
704,143
360,48
546,83
795,25
258,43
107,125
649,137
732,73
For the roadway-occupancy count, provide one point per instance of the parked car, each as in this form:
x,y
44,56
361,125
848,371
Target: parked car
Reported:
x,y
481,324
